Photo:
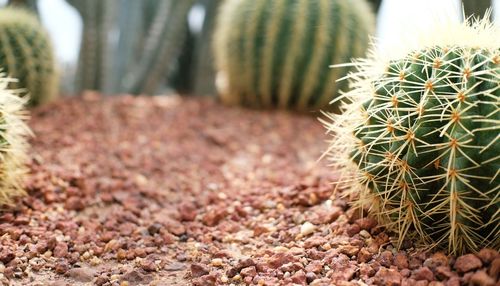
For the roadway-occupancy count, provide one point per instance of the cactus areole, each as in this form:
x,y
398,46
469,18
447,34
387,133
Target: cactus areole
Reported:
x,y
420,137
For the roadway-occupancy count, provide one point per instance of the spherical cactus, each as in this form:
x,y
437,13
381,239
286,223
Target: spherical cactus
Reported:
x,y
277,53
418,140
13,141
26,54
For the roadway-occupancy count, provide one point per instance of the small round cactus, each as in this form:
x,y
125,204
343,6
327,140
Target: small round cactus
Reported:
x,y
418,141
277,53
26,54
13,141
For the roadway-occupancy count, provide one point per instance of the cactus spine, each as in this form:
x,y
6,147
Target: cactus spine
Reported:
x,y
421,137
277,53
13,143
26,54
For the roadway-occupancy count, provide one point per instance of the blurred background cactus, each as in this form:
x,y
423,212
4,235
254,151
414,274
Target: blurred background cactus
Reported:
x,y
27,4
129,46
26,54
144,47
423,138
273,53
13,141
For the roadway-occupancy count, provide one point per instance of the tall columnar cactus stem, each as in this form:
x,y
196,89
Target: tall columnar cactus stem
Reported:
x,y
26,54
13,143
149,42
419,138
161,48
277,53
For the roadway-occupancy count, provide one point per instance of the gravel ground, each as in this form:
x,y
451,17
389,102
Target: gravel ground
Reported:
x,y
183,191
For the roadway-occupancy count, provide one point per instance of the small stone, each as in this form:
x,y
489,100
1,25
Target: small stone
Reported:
x,y
74,203
198,270
259,230
299,277
329,215
307,228
315,266
424,273
494,270
366,270
388,277
213,217
121,254
349,250
414,263
443,272
401,261
480,278
365,234
310,277
248,271
385,258
436,260
62,266
154,228
280,259
468,262
405,272
187,212
148,265
366,223
353,229
7,255
61,250
136,277
364,255
245,263
82,274
140,252
101,280
314,241
94,261
175,266
205,280
487,255
216,262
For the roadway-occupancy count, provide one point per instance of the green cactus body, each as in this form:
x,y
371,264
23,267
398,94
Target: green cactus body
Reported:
x,y
425,147
13,141
26,54
277,53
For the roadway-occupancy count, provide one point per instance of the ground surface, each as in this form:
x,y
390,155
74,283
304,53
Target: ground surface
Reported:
x,y
170,191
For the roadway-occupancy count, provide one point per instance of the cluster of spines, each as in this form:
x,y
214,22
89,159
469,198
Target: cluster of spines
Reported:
x,y
13,141
423,145
26,54
277,53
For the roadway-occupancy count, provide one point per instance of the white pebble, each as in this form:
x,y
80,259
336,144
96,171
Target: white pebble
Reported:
x,y
307,228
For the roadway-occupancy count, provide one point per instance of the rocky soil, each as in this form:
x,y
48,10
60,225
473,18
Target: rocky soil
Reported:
x,y
171,191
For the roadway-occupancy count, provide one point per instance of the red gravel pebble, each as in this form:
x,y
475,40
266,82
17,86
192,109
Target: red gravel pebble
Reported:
x,y
468,262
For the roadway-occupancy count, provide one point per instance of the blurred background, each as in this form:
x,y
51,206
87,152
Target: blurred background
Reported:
x,y
97,42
